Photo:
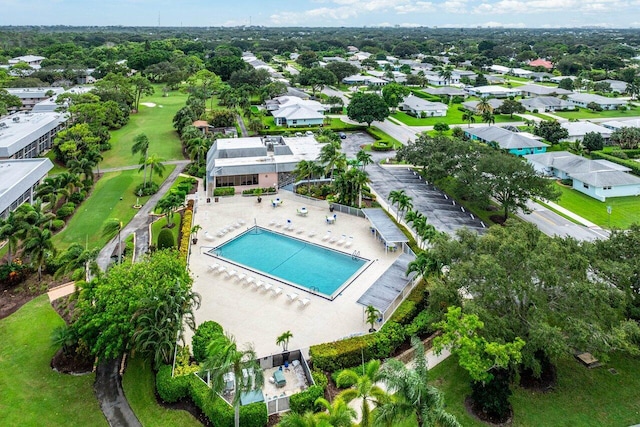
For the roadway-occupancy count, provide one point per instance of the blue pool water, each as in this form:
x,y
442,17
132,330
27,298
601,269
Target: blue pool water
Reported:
x,y
301,263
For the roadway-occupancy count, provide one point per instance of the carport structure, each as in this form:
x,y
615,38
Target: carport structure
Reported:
x,y
384,229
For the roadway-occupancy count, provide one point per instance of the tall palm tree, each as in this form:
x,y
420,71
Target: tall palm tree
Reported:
x,y
82,167
332,157
445,72
110,228
404,203
8,232
284,340
224,356
79,261
365,388
358,180
413,396
141,145
95,156
488,118
155,165
469,117
68,182
197,149
394,197
484,106
50,191
303,171
364,159
39,246
423,264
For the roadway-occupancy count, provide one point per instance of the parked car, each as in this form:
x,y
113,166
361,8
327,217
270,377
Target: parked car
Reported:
x,y
342,135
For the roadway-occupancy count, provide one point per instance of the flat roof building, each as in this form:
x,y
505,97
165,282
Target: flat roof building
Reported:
x,y
27,135
30,96
18,182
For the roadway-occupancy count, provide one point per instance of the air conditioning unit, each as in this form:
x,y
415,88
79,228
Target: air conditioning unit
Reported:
x,y
3,125
16,119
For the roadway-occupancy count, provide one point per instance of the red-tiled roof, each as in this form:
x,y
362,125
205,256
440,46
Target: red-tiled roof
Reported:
x,y
541,63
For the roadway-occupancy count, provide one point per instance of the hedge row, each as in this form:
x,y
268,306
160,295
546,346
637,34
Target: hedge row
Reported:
x,y
185,233
631,164
213,406
411,306
305,401
224,191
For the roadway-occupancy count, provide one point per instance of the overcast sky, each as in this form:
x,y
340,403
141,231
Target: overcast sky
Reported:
x,y
324,13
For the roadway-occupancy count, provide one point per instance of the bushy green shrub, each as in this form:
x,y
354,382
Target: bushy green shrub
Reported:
x,y
382,146
66,210
412,305
305,401
254,415
78,197
422,325
13,273
216,409
165,239
201,339
171,389
320,378
146,189
56,225
224,191
342,354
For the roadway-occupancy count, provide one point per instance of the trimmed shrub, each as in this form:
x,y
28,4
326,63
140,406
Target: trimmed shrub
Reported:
x,y
410,307
382,146
305,401
171,389
224,191
254,415
146,190
165,239
78,197
56,225
216,409
66,210
422,325
185,233
320,378
204,333
342,354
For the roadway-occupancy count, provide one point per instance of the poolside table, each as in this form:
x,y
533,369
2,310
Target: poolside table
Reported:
x,y
303,211
278,377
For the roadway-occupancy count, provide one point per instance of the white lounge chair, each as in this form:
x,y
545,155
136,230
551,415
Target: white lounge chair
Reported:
x,y
292,296
342,240
241,277
333,240
209,236
241,222
277,291
272,222
349,242
231,273
251,281
312,233
304,302
300,231
326,236
266,286
214,267
220,233
278,224
221,269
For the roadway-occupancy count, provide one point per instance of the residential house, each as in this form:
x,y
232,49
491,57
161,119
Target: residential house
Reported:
x,y
396,76
548,65
494,80
619,124
540,76
577,130
539,90
493,91
516,143
27,135
33,61
500,69
419,107
584,99
284,101
298,115
473,105
19,180
546,103
520,72
446,91
616,85
599,179
359,79
558,79
256,162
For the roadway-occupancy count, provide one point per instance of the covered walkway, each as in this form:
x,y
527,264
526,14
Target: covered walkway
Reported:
x,y
385,229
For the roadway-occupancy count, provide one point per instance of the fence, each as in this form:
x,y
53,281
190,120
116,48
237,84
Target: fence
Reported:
x,y
277,404
405,292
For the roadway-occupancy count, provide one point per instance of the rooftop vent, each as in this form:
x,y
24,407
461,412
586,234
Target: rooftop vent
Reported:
x,y
16,119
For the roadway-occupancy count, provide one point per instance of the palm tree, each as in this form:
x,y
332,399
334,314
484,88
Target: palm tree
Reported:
x,y
445,72
372,314
423,264
141,145
39,246
170,202
284,340
484,106
337,413
96,157
308,419
303,171
364,159
358,180
364,388
8,233
155,164
49,191
404,203
224,356
332,157
160,321
111,227
489,118
79,261
82,167
197,149
469,117
394,197
413,397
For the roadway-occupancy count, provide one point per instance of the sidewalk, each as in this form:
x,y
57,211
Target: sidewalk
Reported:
x,y
572,215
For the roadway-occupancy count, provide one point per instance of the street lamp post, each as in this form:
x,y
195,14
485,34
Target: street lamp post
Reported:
x,y
609,209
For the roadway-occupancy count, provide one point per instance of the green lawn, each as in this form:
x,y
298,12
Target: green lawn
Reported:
x,y
582,396
138,383
105,202
156,123
624,210
583,113
32,394
57,167
454,117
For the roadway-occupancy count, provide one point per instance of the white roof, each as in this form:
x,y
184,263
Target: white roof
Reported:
x,y
298,112
17,176
601,100
582,128
494,89
415,103
21,129
26,58
34,92
288,101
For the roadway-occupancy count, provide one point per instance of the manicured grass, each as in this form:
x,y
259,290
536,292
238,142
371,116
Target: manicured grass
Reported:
x,y
336,123
32,393
582,396
624,210
57,167
156,122
583,113
161,223
112,197
138,383
454,117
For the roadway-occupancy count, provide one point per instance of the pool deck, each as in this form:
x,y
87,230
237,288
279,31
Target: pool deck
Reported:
x,y
257,316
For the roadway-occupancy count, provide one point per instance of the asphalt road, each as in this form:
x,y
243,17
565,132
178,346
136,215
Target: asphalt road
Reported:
x,y
552,224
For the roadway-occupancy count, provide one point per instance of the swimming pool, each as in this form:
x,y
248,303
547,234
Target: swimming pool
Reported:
x,y
297,262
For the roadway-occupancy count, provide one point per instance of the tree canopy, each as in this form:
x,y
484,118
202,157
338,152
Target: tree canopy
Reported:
x,y
367,108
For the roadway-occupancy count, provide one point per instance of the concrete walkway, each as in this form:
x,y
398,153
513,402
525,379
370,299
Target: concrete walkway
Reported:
x,y
572,215
61,291
113,402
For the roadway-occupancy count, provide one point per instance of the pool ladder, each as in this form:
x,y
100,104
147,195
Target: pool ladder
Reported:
x,y
355,255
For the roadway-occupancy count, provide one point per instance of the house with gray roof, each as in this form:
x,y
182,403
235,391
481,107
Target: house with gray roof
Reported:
x,y
359,79
30,96
584,99
619,124
446,91
516,143
546,103
419,107
493,91
19,180
577,130
599,179
540,90
616,85
298,115
258,162
27,135
473,105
